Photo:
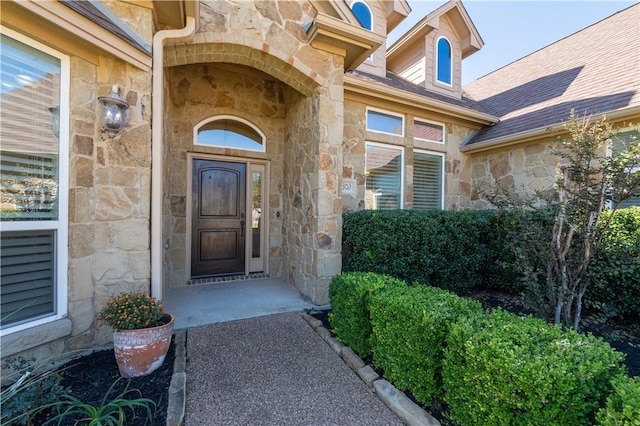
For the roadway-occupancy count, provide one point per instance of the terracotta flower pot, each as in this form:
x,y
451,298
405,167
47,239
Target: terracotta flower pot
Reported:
x,y
142,351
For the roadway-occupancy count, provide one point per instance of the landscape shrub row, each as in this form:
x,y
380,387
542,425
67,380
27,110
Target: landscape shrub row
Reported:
x,y
489,367
474,249
447,249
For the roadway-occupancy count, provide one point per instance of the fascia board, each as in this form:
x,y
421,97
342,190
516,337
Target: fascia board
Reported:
x,y
359,86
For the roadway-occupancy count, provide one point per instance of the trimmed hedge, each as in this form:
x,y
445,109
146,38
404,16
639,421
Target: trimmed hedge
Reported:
x,y
448,249
501,369
349,317
615,269
623,405
410,326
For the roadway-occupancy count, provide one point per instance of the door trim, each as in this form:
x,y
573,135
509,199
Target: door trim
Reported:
x,y
265,202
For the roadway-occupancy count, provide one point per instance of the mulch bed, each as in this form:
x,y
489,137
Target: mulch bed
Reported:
x,y
89,378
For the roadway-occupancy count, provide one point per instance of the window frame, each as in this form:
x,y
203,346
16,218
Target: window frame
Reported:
x,y
393,114
436,123
610,203
61,225
368,8
402,168
442,173
437,61
207,120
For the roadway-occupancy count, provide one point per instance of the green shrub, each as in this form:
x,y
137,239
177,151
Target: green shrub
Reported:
x,y
410,326
623,405
34,388
501,369
349,317
446,249
615,268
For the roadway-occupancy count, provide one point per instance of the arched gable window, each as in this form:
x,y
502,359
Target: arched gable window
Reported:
x,y
363,13
225,131
444,61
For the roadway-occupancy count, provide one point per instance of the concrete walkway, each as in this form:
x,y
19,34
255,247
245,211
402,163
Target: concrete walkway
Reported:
x,y
273,370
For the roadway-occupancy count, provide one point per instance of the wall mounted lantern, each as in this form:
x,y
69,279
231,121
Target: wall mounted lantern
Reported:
x,y
114,112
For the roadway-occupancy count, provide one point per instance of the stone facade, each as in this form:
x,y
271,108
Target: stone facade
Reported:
x,y
259,67
526,169
457,176
109,193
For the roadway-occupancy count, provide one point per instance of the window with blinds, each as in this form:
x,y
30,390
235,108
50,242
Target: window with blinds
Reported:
x,y
383,170
27,268
622,142
428,131
30,89
428,180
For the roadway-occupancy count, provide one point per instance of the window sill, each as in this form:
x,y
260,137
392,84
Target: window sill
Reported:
x,y
32,337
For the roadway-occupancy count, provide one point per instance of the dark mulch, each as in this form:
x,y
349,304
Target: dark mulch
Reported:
x,y
89,378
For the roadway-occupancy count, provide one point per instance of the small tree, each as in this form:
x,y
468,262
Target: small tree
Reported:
x,y
591,177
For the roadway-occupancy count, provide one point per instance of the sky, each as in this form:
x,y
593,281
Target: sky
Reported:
x,y
513,29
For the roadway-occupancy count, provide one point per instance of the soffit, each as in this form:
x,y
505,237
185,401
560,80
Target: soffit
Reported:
x,y
396,11
352,42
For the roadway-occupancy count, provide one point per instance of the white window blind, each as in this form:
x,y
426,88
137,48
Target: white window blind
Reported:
x,y
27,268
30,176
383,177
427,180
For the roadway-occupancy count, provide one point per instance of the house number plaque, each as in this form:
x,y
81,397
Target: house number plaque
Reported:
x,y
349,186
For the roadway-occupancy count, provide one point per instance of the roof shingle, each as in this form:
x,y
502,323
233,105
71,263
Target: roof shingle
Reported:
x,y
595,70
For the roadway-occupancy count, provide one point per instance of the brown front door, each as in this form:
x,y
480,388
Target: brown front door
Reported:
x,y
218,218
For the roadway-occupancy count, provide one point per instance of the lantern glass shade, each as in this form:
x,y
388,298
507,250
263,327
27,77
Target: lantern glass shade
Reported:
x,y
114,112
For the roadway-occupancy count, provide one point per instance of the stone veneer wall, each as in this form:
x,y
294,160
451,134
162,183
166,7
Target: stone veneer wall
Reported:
x,y
198,92
526,169
457,165
109,210
274,41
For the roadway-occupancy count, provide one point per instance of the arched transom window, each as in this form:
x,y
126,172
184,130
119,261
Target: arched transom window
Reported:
x,y
226,131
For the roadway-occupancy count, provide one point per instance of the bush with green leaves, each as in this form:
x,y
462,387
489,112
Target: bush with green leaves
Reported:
x,y
615,268
447,249
623,405
349,317
410,326
502,369
32,388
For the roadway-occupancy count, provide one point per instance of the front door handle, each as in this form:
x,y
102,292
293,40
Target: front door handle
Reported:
x,y
242,228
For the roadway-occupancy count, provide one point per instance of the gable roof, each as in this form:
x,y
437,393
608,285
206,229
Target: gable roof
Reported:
x,y
454,9
594,71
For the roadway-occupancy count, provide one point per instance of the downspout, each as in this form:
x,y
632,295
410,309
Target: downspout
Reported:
x,y
157,144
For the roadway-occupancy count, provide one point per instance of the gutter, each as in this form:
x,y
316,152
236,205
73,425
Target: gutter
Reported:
x,y
157,141
545,131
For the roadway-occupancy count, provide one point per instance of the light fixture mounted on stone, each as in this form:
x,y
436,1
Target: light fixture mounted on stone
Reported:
x,y
114,112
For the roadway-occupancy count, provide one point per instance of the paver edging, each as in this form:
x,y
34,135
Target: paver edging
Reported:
x,y
178,385
407,410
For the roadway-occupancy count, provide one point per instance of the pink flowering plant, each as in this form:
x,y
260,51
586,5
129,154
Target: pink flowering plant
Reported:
x,y
132,311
